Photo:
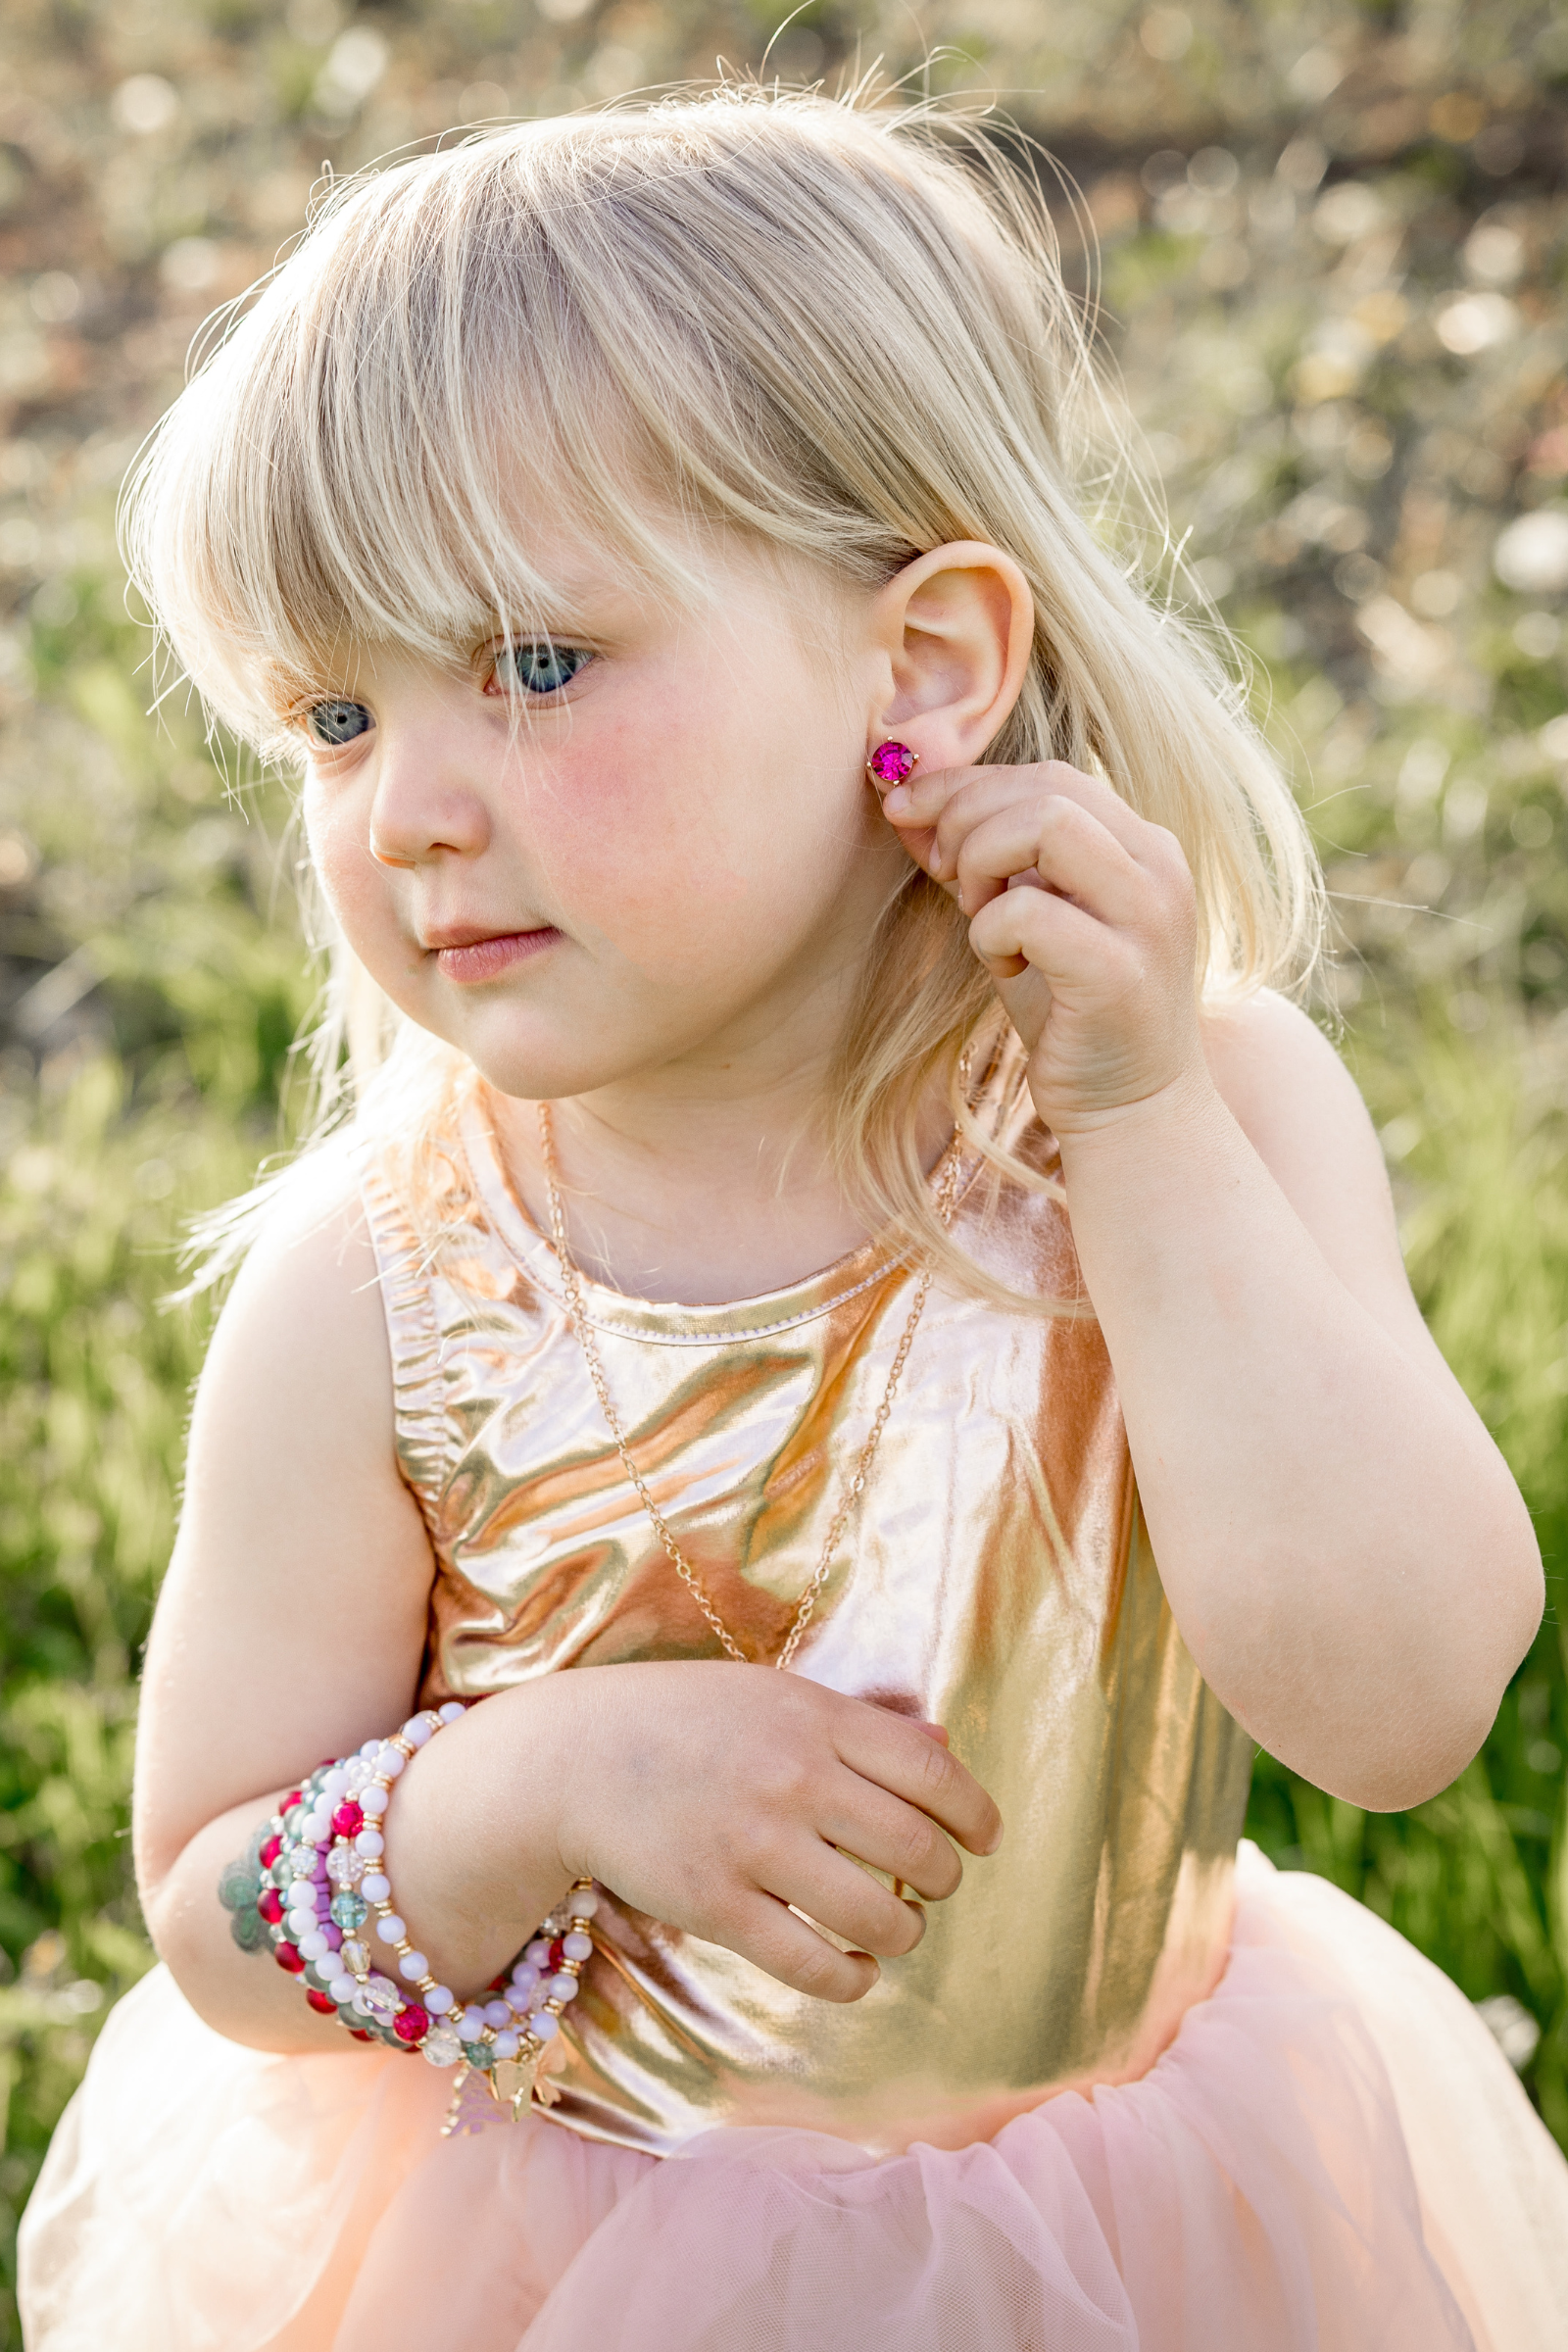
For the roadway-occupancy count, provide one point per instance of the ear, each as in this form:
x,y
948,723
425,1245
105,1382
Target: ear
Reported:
x,y
952,632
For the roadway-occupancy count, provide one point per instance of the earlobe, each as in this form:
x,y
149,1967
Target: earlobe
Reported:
x,y
958,628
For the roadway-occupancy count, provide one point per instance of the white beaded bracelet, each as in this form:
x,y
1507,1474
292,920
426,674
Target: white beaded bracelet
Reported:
x,y
353,1864
329,1836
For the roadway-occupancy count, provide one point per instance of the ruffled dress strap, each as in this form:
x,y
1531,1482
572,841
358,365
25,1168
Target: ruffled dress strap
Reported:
x,y
404,1262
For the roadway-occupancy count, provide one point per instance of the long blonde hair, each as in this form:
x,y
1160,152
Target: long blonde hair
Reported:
x,y
836,326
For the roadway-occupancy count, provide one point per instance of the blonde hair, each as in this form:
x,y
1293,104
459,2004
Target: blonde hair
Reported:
x,y
838,327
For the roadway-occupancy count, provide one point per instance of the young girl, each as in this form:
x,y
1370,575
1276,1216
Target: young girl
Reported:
x,y
838,1197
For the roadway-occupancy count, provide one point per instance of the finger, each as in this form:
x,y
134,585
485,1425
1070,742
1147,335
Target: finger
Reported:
x,y
963,796
765,1931
940,845
921,802
1070,850
890,1834
892,1753
832,1890
932,1730
916,822
1035,929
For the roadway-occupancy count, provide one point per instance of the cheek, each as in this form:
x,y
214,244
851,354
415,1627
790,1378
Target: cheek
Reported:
x,y
716,806
353,885
653,823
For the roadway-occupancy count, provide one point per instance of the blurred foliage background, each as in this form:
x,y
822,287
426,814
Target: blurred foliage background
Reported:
x,y
1332,255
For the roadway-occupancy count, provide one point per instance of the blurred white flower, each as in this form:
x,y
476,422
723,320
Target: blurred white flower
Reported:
x,y
1335,360
21,543
1475,323
354,64
1421,773
1166,33
1494,255
1538,634
1349,212
1215,170
1302,164
1532,555
1315,72
144,104
612,71
482,101
190,265
1401,648
1436,594
1464,810
54,297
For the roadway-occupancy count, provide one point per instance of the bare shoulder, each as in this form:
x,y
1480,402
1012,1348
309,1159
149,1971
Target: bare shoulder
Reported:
x,y
293,1614
1279,1075
308,1294
294,1427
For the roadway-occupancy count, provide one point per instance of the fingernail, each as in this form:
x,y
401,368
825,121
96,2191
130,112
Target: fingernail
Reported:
x,y
898,801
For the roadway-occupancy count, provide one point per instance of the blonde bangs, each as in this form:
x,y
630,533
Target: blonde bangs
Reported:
x,y
342,469
837,327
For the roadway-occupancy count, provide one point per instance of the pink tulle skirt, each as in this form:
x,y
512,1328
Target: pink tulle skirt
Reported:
x,y
1332,2153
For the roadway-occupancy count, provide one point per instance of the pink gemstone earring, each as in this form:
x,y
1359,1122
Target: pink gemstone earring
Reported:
x,y
892,763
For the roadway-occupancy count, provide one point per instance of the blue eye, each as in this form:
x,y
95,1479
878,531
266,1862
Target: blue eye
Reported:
x,y
536,666
338,721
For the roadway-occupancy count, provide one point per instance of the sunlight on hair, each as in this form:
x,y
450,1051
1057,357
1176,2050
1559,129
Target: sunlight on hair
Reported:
x,y
837,326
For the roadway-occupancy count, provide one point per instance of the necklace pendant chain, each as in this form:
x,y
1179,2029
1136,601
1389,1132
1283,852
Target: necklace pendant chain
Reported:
x,y
571,1284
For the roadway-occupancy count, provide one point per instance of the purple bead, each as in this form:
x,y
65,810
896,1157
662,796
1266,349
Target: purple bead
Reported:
x,y
333,1933
320,1870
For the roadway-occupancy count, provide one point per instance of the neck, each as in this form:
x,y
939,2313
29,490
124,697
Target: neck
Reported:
x,y
715,1184
706,1174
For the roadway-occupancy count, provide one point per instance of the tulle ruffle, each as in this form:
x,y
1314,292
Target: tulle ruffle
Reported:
x,y
1332,2153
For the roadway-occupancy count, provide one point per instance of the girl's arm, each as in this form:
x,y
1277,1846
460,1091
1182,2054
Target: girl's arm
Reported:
x,y
292,1625
1343,1549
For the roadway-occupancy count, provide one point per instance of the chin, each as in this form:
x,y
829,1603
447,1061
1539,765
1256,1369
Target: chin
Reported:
x,y
546,1072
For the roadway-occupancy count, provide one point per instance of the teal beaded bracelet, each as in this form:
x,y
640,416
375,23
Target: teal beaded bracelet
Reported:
x,y
313,1881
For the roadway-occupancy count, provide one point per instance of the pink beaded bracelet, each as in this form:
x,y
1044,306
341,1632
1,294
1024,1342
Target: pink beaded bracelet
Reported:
x,y
321,1878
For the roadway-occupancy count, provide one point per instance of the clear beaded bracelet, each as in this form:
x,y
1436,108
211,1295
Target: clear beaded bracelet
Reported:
x,y
315,1879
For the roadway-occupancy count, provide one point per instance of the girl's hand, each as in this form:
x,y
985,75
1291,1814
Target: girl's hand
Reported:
x,y
1084,913
715,1796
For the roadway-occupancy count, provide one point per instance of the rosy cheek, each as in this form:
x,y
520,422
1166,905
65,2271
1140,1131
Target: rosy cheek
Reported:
x,y
649,825
355,886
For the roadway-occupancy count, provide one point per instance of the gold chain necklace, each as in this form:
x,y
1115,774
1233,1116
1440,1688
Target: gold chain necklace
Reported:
x,y
571,1283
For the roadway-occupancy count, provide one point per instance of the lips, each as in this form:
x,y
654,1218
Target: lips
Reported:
x,y
468,954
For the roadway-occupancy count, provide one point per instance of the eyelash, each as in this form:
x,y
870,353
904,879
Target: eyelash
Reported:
x,y
338,710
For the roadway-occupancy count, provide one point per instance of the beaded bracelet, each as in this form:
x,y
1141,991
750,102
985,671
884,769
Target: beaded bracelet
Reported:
x,y
315,1877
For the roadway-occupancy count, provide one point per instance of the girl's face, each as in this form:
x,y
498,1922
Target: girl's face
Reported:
x,y
648,841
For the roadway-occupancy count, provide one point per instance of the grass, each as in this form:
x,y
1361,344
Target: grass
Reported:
x,y
161,1104
1288,316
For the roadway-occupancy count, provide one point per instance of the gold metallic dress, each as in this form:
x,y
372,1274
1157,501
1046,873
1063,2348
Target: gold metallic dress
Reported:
x,y
997,1577
1135,2091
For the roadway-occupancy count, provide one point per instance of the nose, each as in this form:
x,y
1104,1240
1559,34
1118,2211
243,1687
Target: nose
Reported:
x,y
422,808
